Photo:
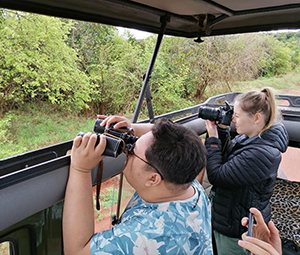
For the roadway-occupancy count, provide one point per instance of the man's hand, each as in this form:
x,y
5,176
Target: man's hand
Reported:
x,y
118,120
84,155
265,240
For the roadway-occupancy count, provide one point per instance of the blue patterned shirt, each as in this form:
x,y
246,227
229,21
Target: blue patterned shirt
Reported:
x,y
176,227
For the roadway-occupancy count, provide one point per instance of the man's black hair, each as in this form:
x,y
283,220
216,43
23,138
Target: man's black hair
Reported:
x,y
176,151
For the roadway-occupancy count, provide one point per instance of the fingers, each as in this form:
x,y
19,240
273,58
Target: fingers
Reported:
x,y
260,229
85,139
257,246
274,231
85,155
77,141
118,120
258,216
81,141
245,221
209,123
275,237
211,129
252,248
91,140
100,116
100,148
124,123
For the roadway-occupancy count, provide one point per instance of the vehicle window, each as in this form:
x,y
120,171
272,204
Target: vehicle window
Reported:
x,y
5,248
109,194
290,165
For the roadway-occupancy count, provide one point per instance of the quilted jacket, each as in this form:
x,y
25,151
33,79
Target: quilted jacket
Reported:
x,y
243,175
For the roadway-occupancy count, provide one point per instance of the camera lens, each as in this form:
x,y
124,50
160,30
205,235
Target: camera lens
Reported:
x,y
208,113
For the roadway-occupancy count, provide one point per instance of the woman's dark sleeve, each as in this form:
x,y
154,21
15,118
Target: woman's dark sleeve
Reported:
x,y
224,135
253,165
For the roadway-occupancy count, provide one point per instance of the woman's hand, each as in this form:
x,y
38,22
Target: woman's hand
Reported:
x,y
211,129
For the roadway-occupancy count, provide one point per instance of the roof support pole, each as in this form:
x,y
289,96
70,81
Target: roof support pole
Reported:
x,y
146,88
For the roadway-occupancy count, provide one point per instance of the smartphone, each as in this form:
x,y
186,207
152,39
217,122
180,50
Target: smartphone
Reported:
x,y
250,228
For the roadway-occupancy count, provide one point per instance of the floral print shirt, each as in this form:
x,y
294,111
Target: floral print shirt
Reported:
x,y
176,227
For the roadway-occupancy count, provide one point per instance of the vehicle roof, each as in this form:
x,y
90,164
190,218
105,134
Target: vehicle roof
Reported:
x,y
188,18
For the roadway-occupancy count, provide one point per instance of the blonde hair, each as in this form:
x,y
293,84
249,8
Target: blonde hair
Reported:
x,y
260,101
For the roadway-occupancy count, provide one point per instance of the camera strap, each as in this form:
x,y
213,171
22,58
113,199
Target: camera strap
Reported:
x,y
99,181
116,218
100,174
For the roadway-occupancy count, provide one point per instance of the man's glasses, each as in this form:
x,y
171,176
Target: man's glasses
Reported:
x,y
131,152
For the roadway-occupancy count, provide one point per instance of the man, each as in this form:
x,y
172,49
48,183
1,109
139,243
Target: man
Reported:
x,y
168,214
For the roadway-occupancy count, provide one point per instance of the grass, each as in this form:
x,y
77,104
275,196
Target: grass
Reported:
x,y
39,125
279,83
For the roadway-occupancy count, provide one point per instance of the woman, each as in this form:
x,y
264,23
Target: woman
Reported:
x,y
243,171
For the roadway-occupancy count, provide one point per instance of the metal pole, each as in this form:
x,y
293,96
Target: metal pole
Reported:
x,y
164,20
149,104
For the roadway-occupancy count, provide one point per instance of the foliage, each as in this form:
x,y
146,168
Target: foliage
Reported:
x,y
77,65
291,41
37,65
277,58
49,65
37,125
188,72
122,78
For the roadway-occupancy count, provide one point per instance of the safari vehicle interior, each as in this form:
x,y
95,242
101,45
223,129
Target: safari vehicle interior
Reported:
x,y
32,184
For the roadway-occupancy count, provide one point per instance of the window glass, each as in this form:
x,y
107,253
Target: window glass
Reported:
x,y
5,249
289,167
109,201
109,195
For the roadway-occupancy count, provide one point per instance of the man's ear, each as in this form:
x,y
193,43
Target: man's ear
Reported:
x,y
153,179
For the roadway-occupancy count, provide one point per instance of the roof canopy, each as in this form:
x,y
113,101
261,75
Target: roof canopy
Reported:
x,y
187,18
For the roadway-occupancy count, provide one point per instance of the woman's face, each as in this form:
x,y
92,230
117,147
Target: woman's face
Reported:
x,y
244,121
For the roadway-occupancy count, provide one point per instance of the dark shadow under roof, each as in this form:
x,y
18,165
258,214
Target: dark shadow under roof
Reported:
x,y
188,18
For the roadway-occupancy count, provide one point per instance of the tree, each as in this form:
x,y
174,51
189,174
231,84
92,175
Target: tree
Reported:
x,y
277,58
37,64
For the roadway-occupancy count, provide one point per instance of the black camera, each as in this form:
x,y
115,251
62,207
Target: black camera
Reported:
x,y
117,140
223,114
